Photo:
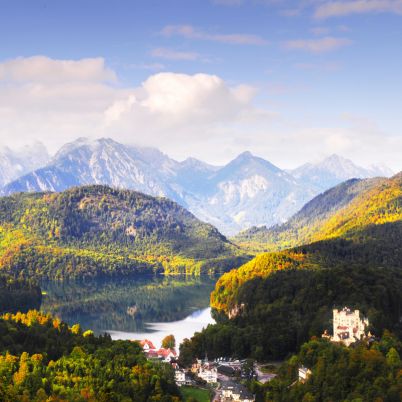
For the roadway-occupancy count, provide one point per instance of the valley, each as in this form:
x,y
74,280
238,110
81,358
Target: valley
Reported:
x,y
201,201
109,267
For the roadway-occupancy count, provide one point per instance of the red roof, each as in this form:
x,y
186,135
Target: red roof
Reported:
x,y
147,342
166,352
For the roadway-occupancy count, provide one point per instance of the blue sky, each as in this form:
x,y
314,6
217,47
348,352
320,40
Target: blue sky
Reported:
x,y
289,80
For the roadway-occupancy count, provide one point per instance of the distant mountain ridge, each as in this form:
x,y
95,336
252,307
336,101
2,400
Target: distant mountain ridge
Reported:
x,y
341,210
333,170
248,191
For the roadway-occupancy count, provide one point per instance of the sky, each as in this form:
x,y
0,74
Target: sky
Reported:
x,y
291,81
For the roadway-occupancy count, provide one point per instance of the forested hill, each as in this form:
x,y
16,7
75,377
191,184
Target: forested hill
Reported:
x,y
269,306
366,232
342,211
94,230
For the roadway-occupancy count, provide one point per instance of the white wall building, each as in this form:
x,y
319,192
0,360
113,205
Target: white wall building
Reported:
x,y
180,377
209,373
304,373
347,326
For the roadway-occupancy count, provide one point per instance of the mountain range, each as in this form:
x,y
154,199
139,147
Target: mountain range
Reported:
x,y
248,191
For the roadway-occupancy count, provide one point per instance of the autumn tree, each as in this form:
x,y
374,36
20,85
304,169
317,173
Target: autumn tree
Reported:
x,y
169,342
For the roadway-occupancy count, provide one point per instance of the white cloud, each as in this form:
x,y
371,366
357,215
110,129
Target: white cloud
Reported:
x,y
200,115
44,69
180,101
320,45
60,108
190,32
169,54
344,8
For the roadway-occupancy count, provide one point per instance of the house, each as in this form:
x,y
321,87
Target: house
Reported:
x,y
348,327
206,370
231,391
147,345
209,373
196,366
167,355
304,374
180,377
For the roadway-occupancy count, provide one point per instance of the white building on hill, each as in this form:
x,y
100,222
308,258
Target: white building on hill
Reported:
x,y
304,374
348,327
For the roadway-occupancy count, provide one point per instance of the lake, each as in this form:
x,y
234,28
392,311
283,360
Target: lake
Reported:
x,y
141,307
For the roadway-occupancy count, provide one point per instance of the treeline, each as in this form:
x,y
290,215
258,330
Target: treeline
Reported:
x,y
18,294
366,372
42,359
275,315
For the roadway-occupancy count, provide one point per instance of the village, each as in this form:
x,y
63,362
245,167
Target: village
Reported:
x,y
223,377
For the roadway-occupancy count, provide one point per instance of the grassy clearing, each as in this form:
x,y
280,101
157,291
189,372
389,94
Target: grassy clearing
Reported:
x,y
200,395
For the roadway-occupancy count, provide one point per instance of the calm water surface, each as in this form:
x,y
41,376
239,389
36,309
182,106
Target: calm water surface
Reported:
x,y
133,308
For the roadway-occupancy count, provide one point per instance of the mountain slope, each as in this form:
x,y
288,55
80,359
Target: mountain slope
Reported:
x,y
97,230
248,191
